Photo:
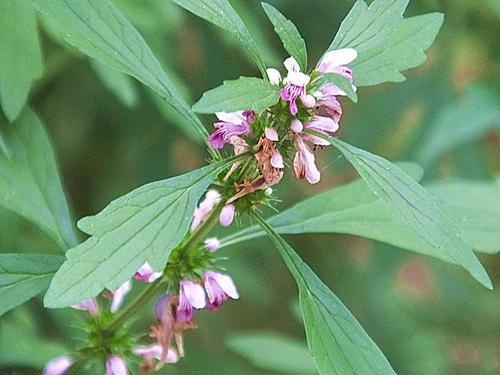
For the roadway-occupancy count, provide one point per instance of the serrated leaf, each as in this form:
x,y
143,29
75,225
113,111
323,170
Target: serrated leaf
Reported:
x,y
354,209
342,83
29,179
386,43
335,338
121,85
460,123
241,94
143,225
411,205
23,276
222,14
276,353
289,35
99,30
402,51
20,54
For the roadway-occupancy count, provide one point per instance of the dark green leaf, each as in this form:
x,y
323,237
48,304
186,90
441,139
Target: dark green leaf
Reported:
x,y
289,35
20,54
241,94
342,83
23,276
143,225
29,179
222,14
273,352
336,339
412,206
99,30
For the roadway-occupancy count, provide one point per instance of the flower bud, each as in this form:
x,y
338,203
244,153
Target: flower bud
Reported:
x,y
115,365
227,215
58,366
296,126
212,244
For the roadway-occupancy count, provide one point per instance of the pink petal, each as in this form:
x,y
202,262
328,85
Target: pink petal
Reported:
x,y
296,126
277,160
147,274
194,293
58,366
212,244
227,215
119,295
227,285
89,305
337,58
308,100
115,365
272,134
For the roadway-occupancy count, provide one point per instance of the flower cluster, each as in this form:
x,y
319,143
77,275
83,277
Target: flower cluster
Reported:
x,y
309,103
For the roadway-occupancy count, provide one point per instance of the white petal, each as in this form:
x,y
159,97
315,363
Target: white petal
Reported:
x,y
272,134
227,285
291,65
274,76
298,78
339,57
195,295
119,294
232,117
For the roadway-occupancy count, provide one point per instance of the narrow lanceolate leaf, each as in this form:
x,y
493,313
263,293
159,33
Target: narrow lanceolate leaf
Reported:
x,y
121,85
23,276
29,179
411,205
342,83
289,35
243,93
460,123
144,225
222,14
335,338
354,209
20,54
403,50
99,30
386,43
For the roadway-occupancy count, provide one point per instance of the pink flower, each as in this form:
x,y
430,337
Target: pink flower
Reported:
x,y
212,244
89,305
324,125
147,274
190,295
230,125
219,288
334,62
328,104
226,216
295,85
201,213
304,162
115,365
58,365
119,295
151,352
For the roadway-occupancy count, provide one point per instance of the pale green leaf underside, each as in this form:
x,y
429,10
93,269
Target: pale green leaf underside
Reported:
x,y
386,43
354,209
23,276
461,123
143,225
29,179
342,83
121,85
412,206
20,54
222,14
276,353
241,94
335,338
289,35
99,30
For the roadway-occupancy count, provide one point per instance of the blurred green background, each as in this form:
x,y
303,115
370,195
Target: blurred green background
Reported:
x,y
112,135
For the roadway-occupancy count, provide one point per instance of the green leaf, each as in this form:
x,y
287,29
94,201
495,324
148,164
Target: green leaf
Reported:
x,y
222,14
241,94
342,83
273,352
403,50
460,123
20,54
386,43
143,225
23,276
29,179
412,206
289,35
336,339
354,209
99,30
118,83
